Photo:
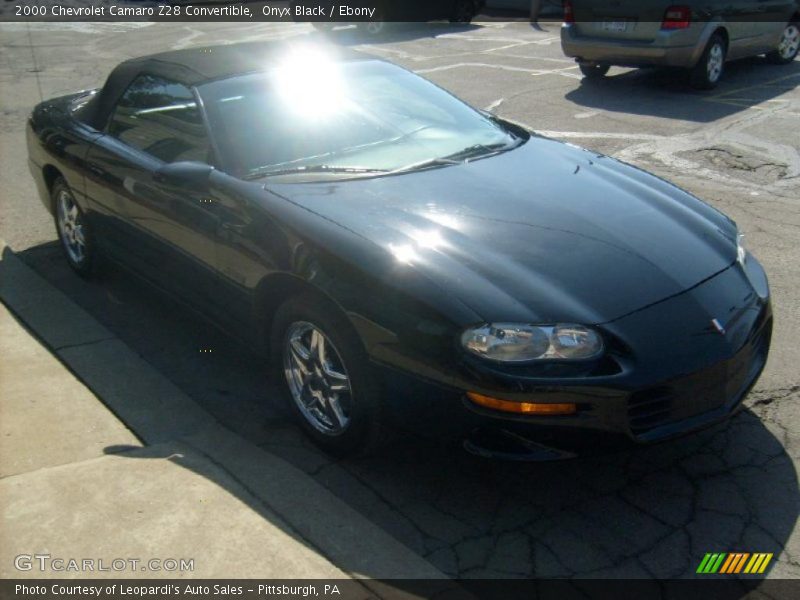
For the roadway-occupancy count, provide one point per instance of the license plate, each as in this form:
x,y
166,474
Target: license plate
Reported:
x,y
615,26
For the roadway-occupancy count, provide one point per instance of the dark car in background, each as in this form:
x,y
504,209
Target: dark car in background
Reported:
x,y
385,12
402,257
697,35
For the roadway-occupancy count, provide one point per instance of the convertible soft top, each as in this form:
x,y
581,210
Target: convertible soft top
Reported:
x,y
193,66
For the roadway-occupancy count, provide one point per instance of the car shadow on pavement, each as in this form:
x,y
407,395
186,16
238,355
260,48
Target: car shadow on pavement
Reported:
x,y
648,512
654,92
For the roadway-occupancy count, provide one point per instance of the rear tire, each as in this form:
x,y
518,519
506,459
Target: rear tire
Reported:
x,y
788,45
594,72
74,231
706,74
326,377
374,28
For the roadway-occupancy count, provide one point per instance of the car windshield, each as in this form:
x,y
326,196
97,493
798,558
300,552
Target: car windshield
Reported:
x,y
343,119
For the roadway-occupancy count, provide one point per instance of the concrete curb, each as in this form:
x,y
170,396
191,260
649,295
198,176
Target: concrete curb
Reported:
x,y
157,412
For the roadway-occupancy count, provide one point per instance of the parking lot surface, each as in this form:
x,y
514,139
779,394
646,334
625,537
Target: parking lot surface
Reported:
x,y
652,512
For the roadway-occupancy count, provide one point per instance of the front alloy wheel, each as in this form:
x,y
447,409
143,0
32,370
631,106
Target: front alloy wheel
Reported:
x,y
788,45
317,378
329,384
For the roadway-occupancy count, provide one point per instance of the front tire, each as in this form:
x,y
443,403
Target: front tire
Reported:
x,y
706,74
74,232
788,45
325,375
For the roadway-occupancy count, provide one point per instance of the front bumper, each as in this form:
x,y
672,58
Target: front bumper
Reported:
x,y
681,375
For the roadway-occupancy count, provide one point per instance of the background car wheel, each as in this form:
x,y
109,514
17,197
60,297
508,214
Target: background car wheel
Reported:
x,y
463,11
708,71
594,72
373,28
788,45
326,376
73,230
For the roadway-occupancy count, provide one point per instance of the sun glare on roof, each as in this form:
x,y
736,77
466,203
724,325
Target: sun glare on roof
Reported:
x,y
310,83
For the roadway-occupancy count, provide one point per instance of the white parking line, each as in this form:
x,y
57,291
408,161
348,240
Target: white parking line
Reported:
x,y
472,38
479,65
533,72
529,57
563,72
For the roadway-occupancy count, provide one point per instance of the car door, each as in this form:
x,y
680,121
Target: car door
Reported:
x,y
772,18
165,232
741,22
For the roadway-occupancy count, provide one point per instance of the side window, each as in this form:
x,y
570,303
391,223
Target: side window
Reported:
x,y
161,118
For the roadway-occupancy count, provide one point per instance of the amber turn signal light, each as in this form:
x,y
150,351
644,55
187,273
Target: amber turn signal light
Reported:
x,y
524,408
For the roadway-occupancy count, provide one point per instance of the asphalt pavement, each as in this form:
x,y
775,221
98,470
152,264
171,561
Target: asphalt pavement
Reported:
x,y
645,513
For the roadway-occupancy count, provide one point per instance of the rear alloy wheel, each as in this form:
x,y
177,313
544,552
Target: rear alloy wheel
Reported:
x,y
708,71
329,385
372,28
788,45
73,230
594,71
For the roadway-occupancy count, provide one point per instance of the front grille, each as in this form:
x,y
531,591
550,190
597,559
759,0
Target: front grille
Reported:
x,y
700,392
649,408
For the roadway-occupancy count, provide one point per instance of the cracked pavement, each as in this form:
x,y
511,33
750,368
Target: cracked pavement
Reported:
x,y
650,512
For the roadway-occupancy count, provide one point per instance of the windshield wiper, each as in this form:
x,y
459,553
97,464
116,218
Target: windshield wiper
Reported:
x,y
268,172
428,162
460,157
478,150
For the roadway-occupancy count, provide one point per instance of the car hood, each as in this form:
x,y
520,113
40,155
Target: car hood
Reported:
x,y
546,232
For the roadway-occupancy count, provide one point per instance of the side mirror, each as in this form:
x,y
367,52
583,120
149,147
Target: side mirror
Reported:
x,y
188,174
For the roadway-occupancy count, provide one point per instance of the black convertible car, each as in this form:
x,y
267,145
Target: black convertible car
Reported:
x,y
401,256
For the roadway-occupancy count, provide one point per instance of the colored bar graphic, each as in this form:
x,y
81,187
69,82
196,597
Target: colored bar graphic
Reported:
x,y
711,562
737,568
703,563
759,562
734,562
715,567
754,563
764,564
728,563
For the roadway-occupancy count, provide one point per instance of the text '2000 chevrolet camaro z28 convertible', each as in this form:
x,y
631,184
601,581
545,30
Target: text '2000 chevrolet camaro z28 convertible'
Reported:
x,y
404,258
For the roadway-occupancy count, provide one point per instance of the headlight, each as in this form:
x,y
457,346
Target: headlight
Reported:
x,y
516,343
741,251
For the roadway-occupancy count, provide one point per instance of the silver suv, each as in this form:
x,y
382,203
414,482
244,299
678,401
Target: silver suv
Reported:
x,y
699,35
